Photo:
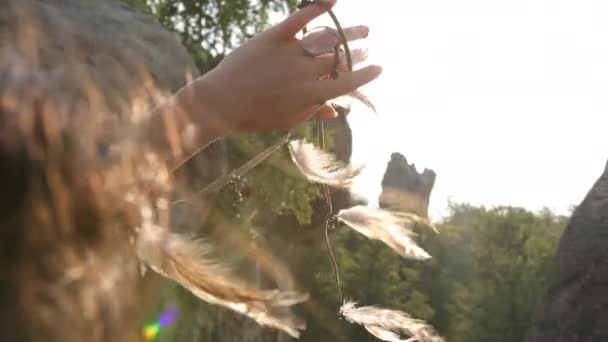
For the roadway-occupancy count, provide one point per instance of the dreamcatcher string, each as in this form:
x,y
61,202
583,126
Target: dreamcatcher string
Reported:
x,y
262,156
327,195
322,140
240,171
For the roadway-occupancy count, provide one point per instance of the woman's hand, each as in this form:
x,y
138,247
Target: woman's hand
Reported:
x,y
270,83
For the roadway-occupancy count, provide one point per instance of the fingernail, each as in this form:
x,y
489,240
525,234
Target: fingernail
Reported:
x,y
376,70
366,31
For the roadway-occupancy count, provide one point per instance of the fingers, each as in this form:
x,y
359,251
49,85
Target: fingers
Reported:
x,y
298,20
356,32
346,82
322,41
357,56
325,64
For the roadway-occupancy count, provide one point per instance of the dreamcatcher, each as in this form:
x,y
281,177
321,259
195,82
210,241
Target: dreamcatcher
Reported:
x,y
184,260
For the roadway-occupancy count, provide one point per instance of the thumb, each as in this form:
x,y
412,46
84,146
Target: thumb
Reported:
x,y
327,112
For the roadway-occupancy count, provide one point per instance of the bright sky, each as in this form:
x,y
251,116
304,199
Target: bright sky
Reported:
x,y
506,100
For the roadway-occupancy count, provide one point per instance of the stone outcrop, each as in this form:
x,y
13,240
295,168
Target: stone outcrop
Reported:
x,y
575,305
404,189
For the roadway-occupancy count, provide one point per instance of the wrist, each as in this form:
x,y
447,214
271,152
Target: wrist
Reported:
x,y
205,103
183,124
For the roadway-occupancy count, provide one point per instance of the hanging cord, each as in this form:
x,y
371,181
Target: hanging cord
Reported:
x,y
322,139
236,173
329,216
243,169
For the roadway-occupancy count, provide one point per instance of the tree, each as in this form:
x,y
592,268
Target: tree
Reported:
x,y
492,267
371,274
211,28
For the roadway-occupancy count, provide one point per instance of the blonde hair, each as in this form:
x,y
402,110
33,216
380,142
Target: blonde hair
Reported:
x,y
67,162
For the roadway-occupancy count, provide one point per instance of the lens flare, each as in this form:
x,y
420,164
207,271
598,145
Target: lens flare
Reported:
x,y
151,331
166,318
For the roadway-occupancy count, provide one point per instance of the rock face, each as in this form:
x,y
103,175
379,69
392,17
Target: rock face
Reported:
x,y
404,189
343,136
575,306
106,41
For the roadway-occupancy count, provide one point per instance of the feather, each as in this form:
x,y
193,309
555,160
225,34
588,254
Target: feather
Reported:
x,y
186,261
358,95
357,55
346,101
321,167
387,226
389,325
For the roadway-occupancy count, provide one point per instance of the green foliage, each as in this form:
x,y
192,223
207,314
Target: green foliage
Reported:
x,y
141,4
275,185
487,273
492,269
374,275
211,28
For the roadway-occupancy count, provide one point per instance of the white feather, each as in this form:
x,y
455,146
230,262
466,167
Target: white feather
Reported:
x,y
389,325
390,227
322,167
346,101
186,262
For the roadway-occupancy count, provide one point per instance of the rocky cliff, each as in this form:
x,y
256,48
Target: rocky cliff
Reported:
x,y
575,305
108,42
